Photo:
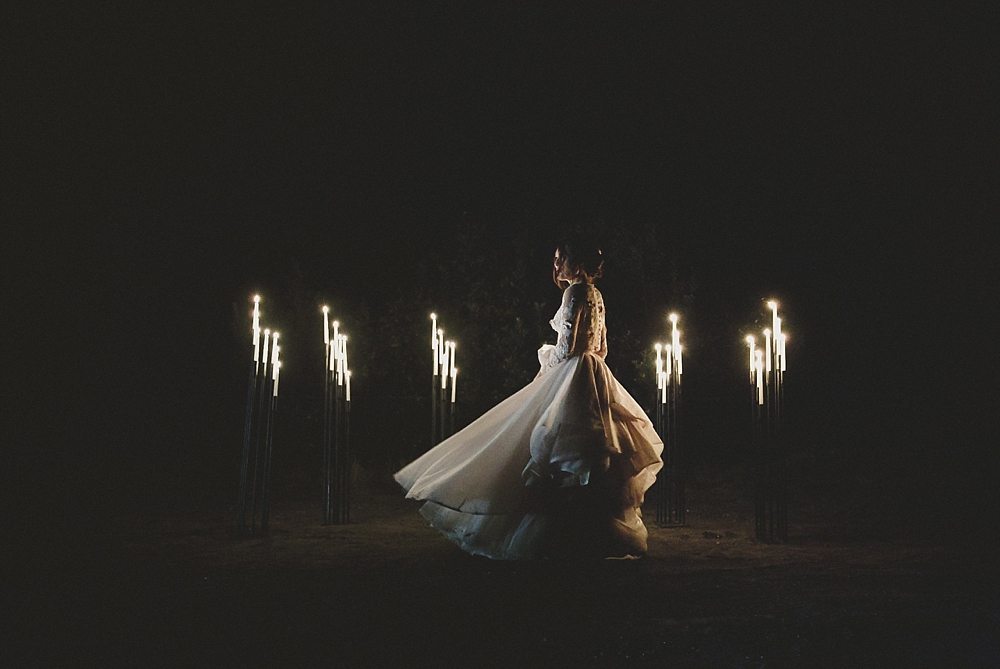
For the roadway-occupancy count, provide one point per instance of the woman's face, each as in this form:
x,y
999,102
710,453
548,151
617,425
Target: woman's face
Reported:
x,y
562,272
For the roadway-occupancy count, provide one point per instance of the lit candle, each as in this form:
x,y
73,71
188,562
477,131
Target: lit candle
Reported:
x,y
274,352
348,376
669,359
680,361
267,339
675,336
333,355
454,376
784,337
659,365
434,329
326,325
759,368
445,355
451,362
256,328
346,365
336,329
277,373
767,349
663,387
751,344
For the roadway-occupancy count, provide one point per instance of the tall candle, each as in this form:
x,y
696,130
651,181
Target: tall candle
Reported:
x,y
274,352
336,329
256,328
445,355
680,361
659,365
451,361
669,358
783,338
759,368
267,339
348,376
346,364
675,336
326,325
277,373
434,329
751,345
454,376
333,355
663,387
767,349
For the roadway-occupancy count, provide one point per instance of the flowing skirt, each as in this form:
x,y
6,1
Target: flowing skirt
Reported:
x,y
558,469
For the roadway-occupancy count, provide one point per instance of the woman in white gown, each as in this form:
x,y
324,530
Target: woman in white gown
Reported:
x,y
560,468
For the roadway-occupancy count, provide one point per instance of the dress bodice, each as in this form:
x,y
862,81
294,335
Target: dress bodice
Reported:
x,y
579,322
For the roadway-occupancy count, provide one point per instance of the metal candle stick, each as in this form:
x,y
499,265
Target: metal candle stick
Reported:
x,y
336,426
670,501
261,404
443,377
767,369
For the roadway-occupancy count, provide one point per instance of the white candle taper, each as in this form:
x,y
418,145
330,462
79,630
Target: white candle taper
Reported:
x,y
751,344
336,329
267,340
669,359
256,328
784,338
326,325
680,361
348,377
277,373
659,365
333,355
663,387
434,329
759,369
275,349
767,349
454,376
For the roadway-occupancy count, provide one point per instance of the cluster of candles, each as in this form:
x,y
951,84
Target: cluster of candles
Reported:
x,y
260,354
772,358
444,357
337,353
669,358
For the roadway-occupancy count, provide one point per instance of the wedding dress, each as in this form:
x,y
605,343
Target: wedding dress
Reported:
x,y
559,468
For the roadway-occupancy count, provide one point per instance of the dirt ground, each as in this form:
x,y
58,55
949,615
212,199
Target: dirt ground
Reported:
x,y
172,589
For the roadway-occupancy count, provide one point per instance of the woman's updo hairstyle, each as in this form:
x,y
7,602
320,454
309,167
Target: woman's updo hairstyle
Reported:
x,y
579,255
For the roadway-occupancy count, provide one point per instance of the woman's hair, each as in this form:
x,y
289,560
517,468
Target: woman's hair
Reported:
x,y
579,255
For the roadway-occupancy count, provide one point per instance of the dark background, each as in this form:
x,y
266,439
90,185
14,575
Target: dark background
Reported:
x,y
394,159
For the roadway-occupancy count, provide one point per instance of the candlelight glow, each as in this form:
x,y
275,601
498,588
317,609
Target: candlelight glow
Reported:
x,y
326,310
673,318
256,298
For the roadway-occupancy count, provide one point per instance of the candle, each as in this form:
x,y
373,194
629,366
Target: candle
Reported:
x,y
274,347
326,325
348,385
758,367
675,336
346,365
277,373
669,359
454,376
267,338
784,337
663,387
767,349
751,345
659,365
333,355
451,361
336,329
256,328
445,355
434,329
680,362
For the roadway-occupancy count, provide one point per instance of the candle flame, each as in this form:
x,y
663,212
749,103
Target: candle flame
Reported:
x,y
267,331
336,324
256,298
772,304
673,318
767,331
434,316
659,347
750,339
326,310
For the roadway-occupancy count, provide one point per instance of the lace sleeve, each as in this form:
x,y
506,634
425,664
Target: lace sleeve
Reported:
x,y
567,323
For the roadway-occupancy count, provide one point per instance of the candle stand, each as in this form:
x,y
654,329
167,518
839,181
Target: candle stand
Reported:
x,y
258,434
336,430
770,455
443,379
671,502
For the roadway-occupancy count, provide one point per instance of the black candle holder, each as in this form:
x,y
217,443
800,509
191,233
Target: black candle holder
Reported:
x,y
770,451
336,434
258,436
671,501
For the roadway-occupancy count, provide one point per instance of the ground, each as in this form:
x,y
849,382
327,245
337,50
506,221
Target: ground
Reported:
x,y
174,588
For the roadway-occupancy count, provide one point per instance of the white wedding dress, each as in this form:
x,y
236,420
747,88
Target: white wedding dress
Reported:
x,y
558,469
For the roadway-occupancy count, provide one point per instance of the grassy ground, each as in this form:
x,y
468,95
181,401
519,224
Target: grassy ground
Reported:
x,y
173,588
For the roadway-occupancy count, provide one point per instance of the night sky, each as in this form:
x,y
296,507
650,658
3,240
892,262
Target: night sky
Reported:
x,y
170,162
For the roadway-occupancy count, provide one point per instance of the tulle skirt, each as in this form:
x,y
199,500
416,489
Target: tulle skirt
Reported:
x,y
558,469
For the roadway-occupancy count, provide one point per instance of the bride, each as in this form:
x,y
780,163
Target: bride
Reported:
x,y
559,468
